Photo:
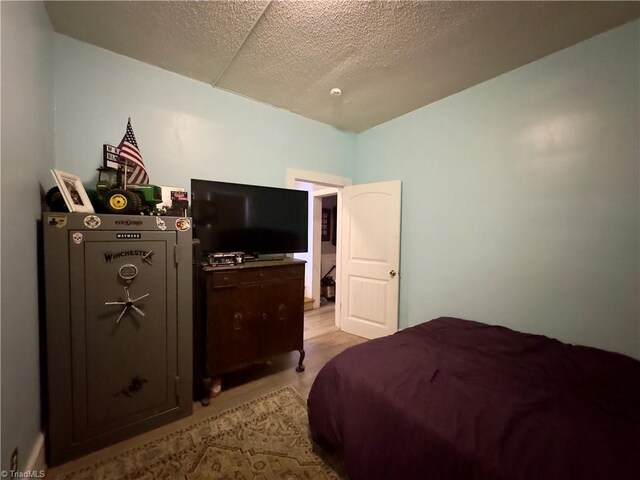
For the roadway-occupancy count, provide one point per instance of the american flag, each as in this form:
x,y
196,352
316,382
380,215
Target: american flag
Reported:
x,y
130,154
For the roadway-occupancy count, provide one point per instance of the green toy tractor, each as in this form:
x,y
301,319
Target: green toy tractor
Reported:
x,y
118,197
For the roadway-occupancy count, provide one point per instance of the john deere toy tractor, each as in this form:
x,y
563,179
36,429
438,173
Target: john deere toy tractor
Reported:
x,y
118,197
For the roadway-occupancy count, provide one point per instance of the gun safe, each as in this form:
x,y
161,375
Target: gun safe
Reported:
x,y
118,327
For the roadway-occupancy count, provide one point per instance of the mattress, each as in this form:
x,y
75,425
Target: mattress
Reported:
x,y
457,399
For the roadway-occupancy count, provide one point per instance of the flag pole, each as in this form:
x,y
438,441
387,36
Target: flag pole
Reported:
x,y
126,163
126,169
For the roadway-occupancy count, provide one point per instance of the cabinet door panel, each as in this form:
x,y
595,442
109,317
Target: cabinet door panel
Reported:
x,y
233,328
284,308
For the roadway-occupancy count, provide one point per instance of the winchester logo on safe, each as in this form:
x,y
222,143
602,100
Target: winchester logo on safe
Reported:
x,y
113,256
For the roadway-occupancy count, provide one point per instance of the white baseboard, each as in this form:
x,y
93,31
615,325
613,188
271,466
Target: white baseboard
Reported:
x,y
36,460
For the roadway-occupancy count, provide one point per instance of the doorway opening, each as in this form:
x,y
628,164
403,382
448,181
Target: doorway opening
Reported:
x,y
322,305
320,315
328,238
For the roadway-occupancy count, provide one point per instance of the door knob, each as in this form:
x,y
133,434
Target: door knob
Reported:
x,y
393,273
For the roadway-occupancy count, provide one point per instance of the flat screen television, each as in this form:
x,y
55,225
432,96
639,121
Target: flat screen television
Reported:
x,y
232,217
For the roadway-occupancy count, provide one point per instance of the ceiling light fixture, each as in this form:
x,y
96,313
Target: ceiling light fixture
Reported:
x,y
335,92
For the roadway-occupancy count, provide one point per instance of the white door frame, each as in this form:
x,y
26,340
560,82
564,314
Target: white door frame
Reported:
x,y
337,182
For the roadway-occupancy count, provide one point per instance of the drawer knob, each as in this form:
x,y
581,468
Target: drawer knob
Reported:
x,y
237,321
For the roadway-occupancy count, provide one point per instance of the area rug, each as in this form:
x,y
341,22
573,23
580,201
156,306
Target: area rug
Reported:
x,y
266,438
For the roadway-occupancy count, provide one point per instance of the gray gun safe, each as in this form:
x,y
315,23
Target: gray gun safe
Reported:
x,y
118,327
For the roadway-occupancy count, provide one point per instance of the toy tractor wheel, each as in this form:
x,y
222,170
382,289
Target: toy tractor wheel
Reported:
x,y
55,200
123,201
144,208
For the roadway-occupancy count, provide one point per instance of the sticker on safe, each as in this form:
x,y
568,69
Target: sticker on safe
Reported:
x,y
92,221
58,221
183,224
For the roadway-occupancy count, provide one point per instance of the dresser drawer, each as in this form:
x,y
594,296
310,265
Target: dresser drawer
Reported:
x,y
224,279
253,275
234,278
258,275
292,271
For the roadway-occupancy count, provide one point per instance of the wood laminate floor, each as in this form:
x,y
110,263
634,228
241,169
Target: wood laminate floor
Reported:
x,y
243,386
320,321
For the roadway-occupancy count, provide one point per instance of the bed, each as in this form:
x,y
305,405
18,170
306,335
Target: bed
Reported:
x,y
456,399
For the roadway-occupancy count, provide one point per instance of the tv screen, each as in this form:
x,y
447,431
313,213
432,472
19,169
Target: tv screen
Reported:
x,y
231,217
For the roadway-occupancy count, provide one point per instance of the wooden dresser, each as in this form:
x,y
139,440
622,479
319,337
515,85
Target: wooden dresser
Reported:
x,y
246,314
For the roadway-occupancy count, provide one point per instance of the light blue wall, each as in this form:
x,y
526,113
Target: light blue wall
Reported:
x,y
185,129
27,156
521,197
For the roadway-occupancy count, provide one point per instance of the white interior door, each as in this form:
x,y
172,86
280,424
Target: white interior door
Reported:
x,y
370,259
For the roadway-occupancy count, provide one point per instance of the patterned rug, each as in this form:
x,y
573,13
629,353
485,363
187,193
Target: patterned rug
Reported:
x,y
264,439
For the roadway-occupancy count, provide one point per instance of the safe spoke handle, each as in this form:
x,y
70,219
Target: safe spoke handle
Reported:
x,y
128,304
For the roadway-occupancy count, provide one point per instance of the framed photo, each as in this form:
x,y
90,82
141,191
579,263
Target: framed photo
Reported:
x,y
168,196
326,225
72,191
334,225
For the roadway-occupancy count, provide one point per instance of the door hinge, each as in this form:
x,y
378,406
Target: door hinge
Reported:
x,y
177,384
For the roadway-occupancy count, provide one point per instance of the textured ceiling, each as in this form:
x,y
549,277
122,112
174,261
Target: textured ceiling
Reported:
x,y
388,57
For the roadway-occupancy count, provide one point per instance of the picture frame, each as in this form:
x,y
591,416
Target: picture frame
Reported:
x,y
326,225
334,225
175,201
73,192
167,200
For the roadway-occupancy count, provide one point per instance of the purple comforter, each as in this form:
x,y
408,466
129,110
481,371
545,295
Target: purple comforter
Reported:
x,y
455,399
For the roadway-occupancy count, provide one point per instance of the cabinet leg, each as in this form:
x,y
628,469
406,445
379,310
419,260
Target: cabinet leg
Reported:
x,y
300,367
206,388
